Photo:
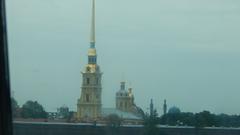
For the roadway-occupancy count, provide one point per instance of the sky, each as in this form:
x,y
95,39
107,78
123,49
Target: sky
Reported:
x,y
184,51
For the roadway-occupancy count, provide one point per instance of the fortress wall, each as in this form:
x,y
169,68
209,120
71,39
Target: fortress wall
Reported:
x,y
76,129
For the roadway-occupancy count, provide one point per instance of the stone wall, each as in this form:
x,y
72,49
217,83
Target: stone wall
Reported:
x,y
78,129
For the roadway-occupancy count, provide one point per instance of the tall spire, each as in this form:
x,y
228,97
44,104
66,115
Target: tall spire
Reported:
x,y
151,108
92,36
92,53
165,107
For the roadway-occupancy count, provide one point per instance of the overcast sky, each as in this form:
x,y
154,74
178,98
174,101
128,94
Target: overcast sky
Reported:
x,y
185,51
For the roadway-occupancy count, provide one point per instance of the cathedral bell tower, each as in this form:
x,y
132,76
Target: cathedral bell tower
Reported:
x,y
90,103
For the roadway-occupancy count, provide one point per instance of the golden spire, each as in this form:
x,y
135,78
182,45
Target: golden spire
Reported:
x,y
92,53
92,36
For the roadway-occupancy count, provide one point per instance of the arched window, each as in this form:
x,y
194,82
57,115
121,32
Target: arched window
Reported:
x,y
87,98
97,80
90,60
88,80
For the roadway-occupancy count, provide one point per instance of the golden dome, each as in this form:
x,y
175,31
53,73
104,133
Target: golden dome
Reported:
x,y
92,52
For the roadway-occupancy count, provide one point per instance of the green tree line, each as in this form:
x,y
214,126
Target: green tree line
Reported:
x,y
201,119
31,109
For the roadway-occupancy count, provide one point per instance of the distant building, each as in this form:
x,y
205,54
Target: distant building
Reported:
x,y
124,99
174,110
63,112
52,115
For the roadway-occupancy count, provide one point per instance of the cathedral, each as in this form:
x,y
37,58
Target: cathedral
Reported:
x,y
89,105
125,99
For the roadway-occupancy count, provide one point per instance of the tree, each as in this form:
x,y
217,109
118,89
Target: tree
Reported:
x,y
150,123
15,108
201,119
113,124
70,117
187,118
205,119
32,109
113,120
182,118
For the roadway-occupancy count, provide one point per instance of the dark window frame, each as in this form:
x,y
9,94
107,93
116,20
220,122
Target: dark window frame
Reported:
x,y
5,102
